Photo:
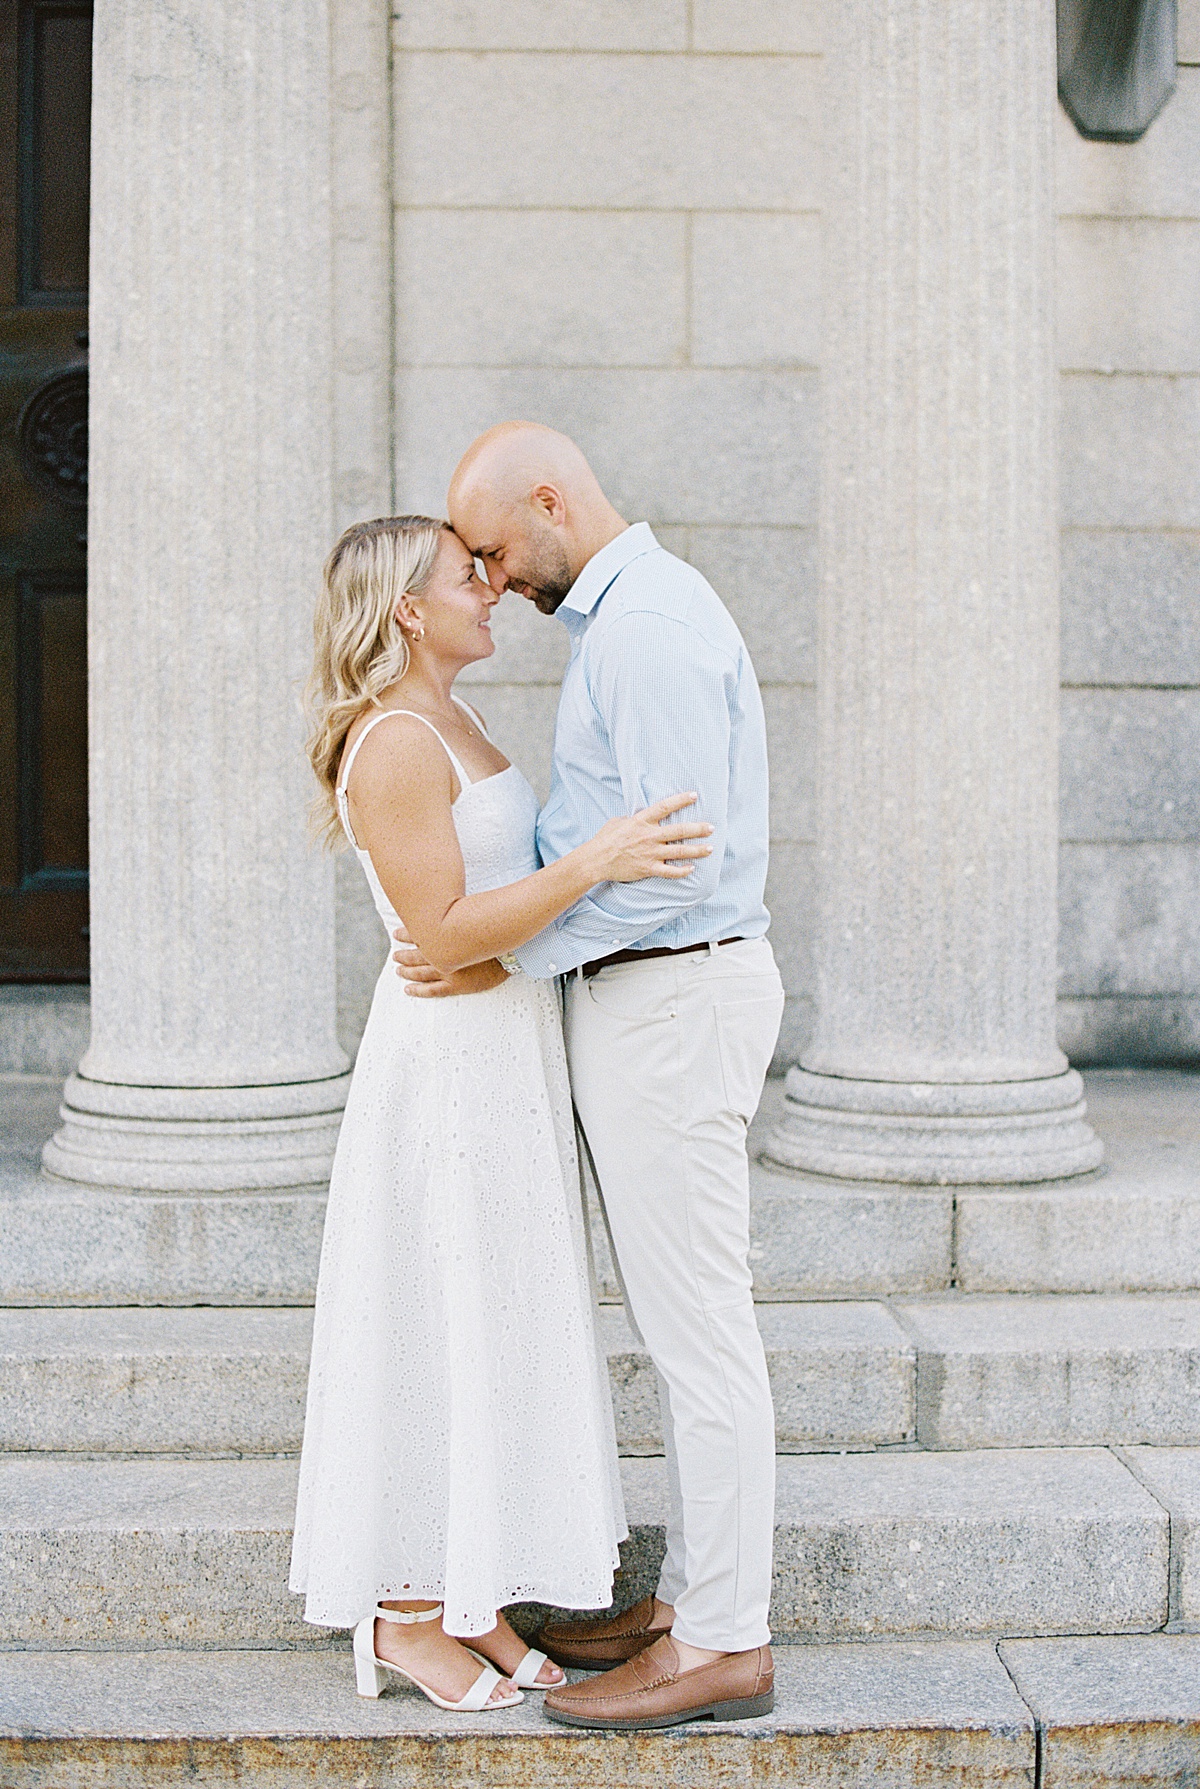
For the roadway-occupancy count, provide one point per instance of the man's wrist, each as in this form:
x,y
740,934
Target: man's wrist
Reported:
x,y
509,963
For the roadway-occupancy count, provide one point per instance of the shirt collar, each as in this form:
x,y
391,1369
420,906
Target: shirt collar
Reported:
x,y
604,567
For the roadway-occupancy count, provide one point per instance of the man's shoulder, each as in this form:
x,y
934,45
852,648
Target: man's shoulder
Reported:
x,y
659,584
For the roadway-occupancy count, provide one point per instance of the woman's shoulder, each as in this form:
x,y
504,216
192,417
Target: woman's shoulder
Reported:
x,y
383,739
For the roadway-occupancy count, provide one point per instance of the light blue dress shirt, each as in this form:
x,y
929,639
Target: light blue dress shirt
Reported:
x,y
659,697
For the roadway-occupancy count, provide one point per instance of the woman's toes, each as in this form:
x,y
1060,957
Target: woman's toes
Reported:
x,y
502,1691
550,1675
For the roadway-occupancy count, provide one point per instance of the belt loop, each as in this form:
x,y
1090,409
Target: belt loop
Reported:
x,y
712,947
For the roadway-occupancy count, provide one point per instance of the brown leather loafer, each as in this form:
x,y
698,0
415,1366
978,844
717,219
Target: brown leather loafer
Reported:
x,y
651,1691
595,1645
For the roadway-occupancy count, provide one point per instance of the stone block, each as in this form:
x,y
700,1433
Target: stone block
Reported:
x,y
791,712
894,1714
1104,1236
1126,457
540,25
1188,27
1128,765
1056,1371
761,27
540,288
1129,609
43,1030
815,1238
1122,1029
1128,919
1156,177
1172,1475
1125,295
1112,1712
530,648
795,1032
791,901
1039,1540
147,1554
153,1381
756,289
1135,1227
169,1553
767,578
665,132
842,1375
682,446
62,1244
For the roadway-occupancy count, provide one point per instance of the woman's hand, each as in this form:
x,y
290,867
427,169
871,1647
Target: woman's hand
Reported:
x,y
630,849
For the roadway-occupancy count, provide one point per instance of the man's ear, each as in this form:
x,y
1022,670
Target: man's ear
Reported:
x,y
549,500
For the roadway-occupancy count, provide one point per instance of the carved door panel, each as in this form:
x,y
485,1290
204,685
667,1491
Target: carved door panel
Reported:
x,y
45,103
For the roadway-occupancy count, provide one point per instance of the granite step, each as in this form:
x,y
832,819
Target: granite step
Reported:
x,y
953,1373
169,1553
204,1381
1134,1227
942,1715
44,1028
1065,1370
1092,1713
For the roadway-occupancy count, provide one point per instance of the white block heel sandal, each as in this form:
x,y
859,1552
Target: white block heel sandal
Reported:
x,y
525,1675
369,1669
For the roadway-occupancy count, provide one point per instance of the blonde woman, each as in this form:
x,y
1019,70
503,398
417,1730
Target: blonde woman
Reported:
x,y
458,1446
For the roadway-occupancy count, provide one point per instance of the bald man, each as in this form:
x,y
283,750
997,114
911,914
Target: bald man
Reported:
x,y
672,1008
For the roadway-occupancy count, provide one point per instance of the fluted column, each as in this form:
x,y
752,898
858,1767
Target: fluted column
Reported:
x,y
934,1055
213,1061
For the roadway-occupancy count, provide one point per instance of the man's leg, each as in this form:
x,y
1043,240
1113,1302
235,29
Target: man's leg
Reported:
x,y
667,1063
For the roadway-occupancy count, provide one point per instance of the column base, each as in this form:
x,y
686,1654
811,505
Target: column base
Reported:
x,y
197,1139
956,1134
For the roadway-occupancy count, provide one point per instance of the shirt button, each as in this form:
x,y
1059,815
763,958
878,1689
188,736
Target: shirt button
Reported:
x,y
553,968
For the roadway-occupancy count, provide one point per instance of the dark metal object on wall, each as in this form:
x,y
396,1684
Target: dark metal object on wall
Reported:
x,y
1116,65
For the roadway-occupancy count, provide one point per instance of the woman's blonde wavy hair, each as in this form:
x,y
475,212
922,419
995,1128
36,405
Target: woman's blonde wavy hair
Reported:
x,y
359,647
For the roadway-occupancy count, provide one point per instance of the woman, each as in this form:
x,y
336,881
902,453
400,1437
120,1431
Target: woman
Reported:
x,y
458,1446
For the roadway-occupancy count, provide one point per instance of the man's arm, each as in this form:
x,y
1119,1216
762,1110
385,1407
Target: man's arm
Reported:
x,y
661,691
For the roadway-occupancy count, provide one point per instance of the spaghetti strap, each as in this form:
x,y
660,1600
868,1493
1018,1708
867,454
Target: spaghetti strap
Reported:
x,y
474,714
343,806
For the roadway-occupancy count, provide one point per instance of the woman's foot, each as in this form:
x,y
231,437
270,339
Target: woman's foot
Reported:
x,y
433,1656
505,1649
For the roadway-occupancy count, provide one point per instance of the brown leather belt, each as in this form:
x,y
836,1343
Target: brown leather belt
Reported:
x,y
644,956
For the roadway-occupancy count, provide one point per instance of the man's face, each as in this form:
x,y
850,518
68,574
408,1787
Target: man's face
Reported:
x,y
519,548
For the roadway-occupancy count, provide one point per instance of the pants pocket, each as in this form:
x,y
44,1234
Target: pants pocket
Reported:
x,y
746,1034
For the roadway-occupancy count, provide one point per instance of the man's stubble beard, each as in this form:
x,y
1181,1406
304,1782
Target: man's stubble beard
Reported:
x,y
549,576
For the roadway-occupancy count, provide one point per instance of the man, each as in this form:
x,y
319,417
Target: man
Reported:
x,y
672,1008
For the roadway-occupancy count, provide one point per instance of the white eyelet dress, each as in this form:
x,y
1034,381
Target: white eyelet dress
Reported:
x,y
458,1443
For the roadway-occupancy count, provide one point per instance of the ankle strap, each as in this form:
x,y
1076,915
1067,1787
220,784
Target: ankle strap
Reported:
x,y
406,1617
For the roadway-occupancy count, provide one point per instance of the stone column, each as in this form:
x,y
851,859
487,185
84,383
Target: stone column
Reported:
x,y
934,1056
213,1061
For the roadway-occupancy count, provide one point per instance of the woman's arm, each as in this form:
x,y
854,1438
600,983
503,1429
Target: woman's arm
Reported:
x,y
402,784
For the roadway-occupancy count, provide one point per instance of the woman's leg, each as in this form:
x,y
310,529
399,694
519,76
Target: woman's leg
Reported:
x,y
433,1656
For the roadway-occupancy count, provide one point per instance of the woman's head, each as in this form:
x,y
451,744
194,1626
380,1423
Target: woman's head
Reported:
x,y
397,589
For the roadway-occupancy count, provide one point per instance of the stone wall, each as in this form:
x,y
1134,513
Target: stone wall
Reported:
x,y
607,217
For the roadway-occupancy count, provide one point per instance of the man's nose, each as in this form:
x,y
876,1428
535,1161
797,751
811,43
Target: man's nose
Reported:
x,y
495,577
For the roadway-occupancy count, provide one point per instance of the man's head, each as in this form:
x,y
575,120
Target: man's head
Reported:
x,y
527,504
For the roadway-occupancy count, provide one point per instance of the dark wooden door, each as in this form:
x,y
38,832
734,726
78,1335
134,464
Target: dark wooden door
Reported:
x,y
45,105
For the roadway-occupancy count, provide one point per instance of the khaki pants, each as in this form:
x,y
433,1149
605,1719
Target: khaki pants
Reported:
x,y
668,1060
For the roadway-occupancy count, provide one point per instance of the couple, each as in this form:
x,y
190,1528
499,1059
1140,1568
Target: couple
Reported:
x,y
459,1452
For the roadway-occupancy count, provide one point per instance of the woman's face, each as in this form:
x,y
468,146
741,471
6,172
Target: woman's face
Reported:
x,y
455,606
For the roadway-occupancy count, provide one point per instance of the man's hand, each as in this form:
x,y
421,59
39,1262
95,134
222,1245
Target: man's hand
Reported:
x,y
427,983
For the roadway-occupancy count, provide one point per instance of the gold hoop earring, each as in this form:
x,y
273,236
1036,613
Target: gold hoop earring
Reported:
x,y
418,633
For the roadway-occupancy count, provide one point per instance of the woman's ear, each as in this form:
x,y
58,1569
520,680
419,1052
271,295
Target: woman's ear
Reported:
x,y
406,616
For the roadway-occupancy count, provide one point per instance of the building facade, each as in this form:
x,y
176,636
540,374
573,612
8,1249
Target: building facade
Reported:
x,y
330,243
